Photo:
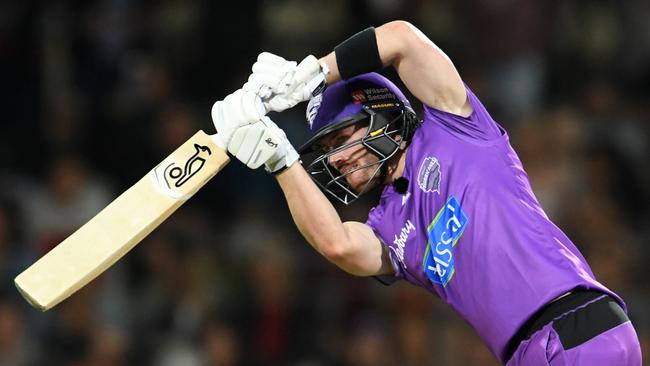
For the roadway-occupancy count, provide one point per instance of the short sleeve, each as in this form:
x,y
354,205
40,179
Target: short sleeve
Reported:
x,y
374,218
391,278
478,126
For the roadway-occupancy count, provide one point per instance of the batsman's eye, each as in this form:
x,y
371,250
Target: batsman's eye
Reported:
x,y
338,141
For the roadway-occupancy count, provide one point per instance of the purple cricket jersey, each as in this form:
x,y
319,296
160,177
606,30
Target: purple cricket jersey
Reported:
x,y
471,231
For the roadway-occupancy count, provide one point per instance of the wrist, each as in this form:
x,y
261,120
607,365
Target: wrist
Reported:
x,y
329,62
322,78
283,159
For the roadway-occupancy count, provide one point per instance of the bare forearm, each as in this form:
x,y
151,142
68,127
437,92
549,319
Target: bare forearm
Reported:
x,y
313,214
352,246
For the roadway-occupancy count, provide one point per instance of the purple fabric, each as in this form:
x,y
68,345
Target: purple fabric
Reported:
x,y
471,231
617,346
338,101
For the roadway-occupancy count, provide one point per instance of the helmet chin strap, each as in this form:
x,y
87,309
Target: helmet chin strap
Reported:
x,y
383,172
393,161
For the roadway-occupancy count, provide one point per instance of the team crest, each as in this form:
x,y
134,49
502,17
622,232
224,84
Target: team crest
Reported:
x,y
429,175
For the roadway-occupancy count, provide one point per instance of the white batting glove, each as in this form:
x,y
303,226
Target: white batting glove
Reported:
x,y
235,110
282,84
271,75
263,143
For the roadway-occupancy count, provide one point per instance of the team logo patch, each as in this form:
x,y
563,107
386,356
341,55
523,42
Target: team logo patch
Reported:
x,y
429,175
443,234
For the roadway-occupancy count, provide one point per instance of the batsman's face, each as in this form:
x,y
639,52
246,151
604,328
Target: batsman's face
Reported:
x,y
352,158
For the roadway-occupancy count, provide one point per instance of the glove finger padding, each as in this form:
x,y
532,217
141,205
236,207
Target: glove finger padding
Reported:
x,y
237,109
258,83
244,107
271,58
270,78
308,77
254,85
308,68
254,144
277,76
223,125
282,84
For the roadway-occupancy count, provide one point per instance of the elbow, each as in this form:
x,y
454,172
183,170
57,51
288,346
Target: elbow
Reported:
x,y
401,28
400,36
335,251
340,255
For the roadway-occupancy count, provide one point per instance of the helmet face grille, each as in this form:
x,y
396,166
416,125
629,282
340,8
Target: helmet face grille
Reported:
x,y
365,100
387,130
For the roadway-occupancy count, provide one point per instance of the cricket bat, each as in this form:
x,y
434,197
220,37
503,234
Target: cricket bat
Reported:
x,y
122,224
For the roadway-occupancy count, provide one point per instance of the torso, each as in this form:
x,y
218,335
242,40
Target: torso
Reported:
x,y
470,229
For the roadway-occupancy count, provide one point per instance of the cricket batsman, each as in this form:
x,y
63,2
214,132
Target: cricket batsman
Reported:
x,y
457,215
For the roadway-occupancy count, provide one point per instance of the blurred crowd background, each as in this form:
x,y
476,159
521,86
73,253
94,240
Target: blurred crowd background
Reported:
x,y
95,93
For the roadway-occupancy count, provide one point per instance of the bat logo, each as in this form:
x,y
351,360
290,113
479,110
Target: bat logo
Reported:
x,y
270,142
177,176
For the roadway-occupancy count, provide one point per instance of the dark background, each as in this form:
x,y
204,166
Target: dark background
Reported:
x,y
95,93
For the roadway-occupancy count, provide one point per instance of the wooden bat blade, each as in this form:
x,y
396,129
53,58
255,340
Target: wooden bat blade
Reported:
x,y
122,224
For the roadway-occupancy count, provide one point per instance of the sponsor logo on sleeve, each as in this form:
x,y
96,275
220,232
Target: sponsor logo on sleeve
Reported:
x,y
400,241
443,234
429,175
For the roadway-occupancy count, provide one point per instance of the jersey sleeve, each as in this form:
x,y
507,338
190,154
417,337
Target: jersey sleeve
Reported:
x,y
391,278
373,219
478,126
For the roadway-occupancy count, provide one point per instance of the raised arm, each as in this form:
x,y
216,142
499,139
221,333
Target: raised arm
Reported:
x,y
428,74
425,70
423,67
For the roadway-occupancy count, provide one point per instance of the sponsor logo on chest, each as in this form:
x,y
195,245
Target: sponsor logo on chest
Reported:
x,y
443,234
400,241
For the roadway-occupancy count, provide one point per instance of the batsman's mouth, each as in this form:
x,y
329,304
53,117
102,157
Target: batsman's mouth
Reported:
x,y
347,168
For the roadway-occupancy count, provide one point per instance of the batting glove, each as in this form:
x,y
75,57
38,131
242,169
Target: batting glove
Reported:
x,y
237,109
263,143
282,84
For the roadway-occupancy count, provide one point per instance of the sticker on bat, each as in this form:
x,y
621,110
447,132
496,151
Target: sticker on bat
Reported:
x,y
170,175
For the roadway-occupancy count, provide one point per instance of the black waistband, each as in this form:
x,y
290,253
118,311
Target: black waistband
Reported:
x,y
609,315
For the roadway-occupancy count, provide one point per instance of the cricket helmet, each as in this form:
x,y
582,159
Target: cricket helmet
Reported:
x,y
369,100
